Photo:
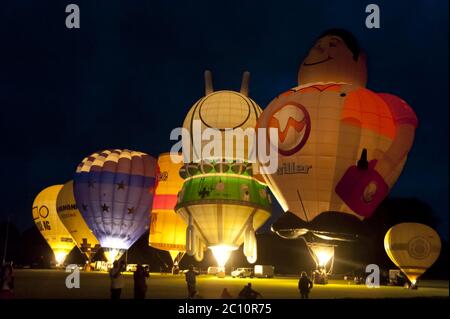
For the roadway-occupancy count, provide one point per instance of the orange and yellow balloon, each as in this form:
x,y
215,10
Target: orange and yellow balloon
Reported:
x,y
168,229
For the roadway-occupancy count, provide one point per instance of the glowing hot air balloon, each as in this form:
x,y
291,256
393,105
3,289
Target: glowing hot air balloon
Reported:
x,y
220,201
341,146
114,192
47,221
72,219
413,248
167,229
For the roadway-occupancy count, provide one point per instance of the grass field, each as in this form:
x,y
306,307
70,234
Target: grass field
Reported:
x,y
95,285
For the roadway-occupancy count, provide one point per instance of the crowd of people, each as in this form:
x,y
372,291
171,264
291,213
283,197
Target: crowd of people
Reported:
x,y
140,276
305,284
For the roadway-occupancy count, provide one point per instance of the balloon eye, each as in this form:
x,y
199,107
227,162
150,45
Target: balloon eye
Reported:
x,y
332,45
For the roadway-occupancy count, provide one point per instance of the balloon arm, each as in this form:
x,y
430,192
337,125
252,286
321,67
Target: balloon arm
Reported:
x,y
397,151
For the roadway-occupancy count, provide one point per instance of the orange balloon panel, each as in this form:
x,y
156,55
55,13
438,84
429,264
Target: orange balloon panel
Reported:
x,y
167,229
413,248
322,131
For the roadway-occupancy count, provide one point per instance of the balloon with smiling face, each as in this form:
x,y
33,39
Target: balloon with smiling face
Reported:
x,y
341,147
334,58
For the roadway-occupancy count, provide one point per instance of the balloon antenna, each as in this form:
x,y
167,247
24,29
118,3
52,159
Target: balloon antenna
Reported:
x,y
208,83
244,84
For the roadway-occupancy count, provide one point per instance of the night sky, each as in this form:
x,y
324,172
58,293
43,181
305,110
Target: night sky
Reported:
x,y
133,70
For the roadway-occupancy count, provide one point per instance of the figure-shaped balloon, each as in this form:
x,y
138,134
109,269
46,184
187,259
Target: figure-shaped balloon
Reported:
x,y
47,221
413,248
341,146
72,219
221,201
114,191
167,229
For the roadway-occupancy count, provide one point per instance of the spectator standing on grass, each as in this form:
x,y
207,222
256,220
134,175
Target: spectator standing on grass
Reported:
x,y
6,282
115,274
304,285
140,285
191,281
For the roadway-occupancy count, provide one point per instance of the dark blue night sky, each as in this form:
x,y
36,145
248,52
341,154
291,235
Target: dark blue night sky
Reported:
x,y
133,70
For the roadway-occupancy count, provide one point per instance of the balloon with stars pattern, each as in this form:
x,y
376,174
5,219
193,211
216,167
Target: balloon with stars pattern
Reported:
x,y
114,189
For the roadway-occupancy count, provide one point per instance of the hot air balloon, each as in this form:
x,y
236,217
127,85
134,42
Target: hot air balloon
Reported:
x,y
341,147
47,221
114,192
413,248
72,219
221,202
167,229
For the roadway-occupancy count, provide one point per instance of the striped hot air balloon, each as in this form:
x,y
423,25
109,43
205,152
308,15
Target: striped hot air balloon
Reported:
x,y
168,229
114,192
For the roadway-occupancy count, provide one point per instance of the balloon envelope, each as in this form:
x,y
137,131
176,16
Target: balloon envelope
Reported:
x,y
168,229
47,221
220,199
72,219
413,248
114,191
324,131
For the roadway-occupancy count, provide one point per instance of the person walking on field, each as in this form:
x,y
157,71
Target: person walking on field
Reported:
x,y
116,280
304,285
191,280
140,285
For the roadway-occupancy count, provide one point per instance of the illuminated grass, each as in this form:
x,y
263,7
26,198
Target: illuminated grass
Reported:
x,y
51,284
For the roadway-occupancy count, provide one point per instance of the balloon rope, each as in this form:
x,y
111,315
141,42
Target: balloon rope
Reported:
x,y
303,207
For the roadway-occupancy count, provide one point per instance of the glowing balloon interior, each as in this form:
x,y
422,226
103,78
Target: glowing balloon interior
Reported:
x,y
114,191
47,221
322,254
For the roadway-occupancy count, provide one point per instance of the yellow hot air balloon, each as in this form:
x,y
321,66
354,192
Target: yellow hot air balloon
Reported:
x,y
413,248
167,229
71,217
47,221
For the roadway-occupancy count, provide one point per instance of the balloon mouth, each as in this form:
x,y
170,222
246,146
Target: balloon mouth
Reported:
x,y
321,253
222,253
60,256
113,254
318,62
